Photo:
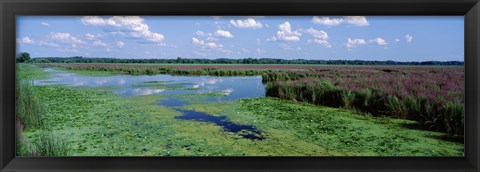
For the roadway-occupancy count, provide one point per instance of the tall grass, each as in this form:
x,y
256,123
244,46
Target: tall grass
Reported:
x,y
453,115
22,147
48,144
28,107
29,112
435,114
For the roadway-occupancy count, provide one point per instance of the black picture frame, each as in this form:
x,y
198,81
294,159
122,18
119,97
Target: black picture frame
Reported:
x,y
470,9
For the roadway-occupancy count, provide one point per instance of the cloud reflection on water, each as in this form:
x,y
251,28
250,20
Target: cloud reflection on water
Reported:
x,y
127,85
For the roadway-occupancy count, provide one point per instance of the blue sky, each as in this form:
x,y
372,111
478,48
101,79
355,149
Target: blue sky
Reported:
x,y
398,38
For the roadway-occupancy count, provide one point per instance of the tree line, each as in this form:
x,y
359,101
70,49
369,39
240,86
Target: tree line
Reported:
x,y
78,59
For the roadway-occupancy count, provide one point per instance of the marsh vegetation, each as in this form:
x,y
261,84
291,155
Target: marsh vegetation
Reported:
x,y
239,110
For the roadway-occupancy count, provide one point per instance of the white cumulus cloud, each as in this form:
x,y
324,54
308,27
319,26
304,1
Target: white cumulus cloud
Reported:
x,y
379,41
408,38
223,33
25,40
65,38
93,20
352,20
200,33
89,36
202,43
28,40
327,21
320,37
354,42
248,23
100,43
285,33
45,24
135,26
356,20
218,33
211,38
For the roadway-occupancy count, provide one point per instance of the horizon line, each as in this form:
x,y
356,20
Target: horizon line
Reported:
x,y
249,58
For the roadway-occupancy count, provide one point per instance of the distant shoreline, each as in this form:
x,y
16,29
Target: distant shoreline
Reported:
x,y
263,61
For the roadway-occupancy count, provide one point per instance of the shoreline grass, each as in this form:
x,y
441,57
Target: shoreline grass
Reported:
x,y
28,107
49,144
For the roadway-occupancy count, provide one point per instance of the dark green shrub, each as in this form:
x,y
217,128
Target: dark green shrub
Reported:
x,y
412,108
396,107
453,117
347,99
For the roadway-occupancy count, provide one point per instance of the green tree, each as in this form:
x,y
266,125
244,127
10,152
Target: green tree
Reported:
x,y
23,57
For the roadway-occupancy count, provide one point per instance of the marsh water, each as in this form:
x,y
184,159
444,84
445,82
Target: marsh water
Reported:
x,y
212,89
246,131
